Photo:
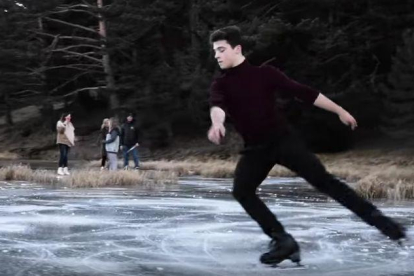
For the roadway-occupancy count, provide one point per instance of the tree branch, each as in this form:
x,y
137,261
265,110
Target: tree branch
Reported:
x,y
72,25
71,37
83,89
71,53
86,5
81,45
71,66
25,92
69,81
51,46
268,61
74,10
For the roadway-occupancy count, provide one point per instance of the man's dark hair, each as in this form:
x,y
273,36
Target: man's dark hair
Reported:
x,y
231,34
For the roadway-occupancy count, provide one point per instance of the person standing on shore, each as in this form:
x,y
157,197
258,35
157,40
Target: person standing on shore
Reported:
x,y
103,133
65,140
129,141
112,142
247,94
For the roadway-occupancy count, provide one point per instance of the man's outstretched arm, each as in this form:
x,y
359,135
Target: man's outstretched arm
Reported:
x,y
217,129
325,103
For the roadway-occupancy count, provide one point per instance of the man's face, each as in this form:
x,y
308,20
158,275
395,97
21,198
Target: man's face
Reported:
x,y
129,118
225,55
68,118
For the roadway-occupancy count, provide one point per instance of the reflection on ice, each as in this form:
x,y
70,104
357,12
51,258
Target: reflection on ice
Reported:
x,y
194,228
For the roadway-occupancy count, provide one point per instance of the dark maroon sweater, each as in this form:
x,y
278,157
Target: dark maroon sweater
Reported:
x,y
248,94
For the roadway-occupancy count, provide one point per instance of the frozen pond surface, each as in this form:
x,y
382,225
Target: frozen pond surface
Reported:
x,y
194,228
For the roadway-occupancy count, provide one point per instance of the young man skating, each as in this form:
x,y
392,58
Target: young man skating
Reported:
x,y
247,94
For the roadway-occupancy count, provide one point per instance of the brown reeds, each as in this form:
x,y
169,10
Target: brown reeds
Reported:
x,y
89,178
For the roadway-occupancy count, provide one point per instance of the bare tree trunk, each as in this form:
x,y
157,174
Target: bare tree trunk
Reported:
x,y
9,117
110,80
194,18
47,105
195,43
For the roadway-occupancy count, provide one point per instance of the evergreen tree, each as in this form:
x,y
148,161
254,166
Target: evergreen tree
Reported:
x,y
17,85
398,119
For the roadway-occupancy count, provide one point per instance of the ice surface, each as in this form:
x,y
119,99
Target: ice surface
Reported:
x,y
194,228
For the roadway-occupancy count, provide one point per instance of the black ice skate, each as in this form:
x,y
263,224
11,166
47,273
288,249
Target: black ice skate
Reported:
x,y
282,247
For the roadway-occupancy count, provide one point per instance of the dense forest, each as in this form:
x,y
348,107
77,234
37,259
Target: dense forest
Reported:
x,y
153,58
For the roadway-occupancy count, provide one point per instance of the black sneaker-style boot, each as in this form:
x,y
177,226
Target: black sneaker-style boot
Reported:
x,y
282,247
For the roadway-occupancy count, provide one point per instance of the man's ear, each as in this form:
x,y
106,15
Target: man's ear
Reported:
x,y
238,49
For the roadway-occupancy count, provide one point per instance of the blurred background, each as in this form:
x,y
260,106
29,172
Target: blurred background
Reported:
x,y
102,58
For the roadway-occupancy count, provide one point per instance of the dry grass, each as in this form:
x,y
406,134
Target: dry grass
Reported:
x,y
216,168
279,171
89,178
390,182
8,155
207,168
374,173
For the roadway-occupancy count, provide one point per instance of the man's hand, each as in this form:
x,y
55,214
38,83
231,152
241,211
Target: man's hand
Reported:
x,y
137,144
325,103
216,133
347,119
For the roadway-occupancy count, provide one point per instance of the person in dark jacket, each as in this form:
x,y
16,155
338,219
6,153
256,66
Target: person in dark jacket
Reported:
x,y
104,132
129,141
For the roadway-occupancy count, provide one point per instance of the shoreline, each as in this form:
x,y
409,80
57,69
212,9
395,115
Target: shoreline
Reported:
x,y
374,174
373,182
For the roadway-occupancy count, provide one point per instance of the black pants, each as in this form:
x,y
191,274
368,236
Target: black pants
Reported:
x,y
104,156
64,151
255,164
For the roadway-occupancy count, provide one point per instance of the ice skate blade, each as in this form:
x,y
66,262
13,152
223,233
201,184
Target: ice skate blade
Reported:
x,y
285,267
295,258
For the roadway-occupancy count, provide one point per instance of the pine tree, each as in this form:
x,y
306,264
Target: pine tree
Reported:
x,y
398,119
17,85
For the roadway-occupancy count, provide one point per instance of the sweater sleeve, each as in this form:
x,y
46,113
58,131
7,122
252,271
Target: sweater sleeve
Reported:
x,y
60,127
282,83
114,134
217,95
102,135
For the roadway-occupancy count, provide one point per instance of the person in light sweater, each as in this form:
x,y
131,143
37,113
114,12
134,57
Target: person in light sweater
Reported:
x,y
65,140
112,144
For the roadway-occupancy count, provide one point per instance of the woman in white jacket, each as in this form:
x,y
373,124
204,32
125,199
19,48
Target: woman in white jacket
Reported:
x,y
65,140
112,144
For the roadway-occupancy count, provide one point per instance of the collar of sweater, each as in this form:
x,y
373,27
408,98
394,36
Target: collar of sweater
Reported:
x,y
239,68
